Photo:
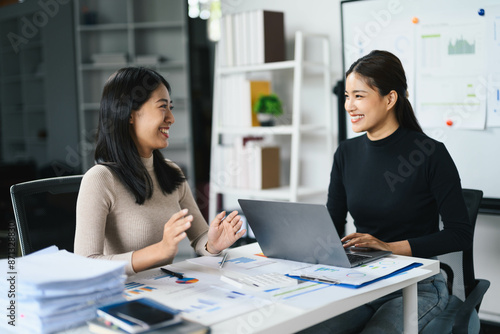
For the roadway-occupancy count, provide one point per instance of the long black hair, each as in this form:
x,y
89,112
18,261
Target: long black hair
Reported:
x,y
383,70
126,90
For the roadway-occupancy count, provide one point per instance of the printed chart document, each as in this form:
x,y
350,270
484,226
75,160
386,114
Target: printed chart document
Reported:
x,y
249,264
240,263
200,296
309,294
305,295
493,66
450,67
355,277
349,277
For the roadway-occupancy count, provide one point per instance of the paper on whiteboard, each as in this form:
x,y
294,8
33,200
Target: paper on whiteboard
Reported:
x,y
450,79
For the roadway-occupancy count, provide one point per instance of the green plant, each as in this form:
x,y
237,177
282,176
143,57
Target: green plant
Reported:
x,y
268,104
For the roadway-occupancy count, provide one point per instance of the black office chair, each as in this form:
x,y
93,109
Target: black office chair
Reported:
x,y
466,291
45,212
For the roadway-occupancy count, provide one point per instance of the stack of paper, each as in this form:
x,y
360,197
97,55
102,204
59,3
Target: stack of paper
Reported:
x,y
55,290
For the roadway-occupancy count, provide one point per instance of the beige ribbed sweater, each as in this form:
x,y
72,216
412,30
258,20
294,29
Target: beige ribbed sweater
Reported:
x,y
110,225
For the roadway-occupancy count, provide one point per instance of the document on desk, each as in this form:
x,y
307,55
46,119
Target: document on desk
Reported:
x,y
238,263
249,264
355,277
305,294
310,295
200,296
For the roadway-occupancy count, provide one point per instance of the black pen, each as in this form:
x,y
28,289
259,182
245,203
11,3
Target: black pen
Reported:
x,y
318,279
178,275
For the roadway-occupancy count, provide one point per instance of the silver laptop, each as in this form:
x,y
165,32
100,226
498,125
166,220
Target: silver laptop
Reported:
x,y
301,232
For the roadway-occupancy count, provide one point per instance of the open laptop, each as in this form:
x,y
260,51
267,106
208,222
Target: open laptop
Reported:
x,y
301,232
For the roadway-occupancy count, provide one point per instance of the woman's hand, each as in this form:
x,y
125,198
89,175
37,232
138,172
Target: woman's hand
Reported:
x,y
364,240
367,240
174,231
223,232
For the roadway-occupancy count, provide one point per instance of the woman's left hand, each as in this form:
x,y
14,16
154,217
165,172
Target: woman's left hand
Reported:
x,y
367,240
223,232
364,240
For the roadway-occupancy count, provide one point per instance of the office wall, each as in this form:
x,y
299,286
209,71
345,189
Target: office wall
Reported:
x,y
323,16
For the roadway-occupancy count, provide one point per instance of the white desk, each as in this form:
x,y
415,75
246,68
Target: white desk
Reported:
x,y
281,318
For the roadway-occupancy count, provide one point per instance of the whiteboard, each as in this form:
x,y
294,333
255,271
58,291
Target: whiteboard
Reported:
x,y
447,48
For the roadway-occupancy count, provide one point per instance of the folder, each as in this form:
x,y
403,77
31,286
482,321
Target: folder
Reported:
x,y
357,277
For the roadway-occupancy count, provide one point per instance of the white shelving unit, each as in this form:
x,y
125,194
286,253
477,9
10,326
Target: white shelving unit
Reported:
x,y
290,136
134,28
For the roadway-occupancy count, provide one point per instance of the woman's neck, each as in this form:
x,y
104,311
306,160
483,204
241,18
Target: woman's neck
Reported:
x,y
388,129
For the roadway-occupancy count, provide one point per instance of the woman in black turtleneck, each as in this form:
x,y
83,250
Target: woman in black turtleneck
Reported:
x,y
395,182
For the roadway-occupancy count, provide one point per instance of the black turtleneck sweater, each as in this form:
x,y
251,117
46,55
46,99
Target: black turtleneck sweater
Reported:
x,y
396,188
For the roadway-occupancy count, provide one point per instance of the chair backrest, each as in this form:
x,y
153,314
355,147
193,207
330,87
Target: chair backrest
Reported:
x,y
459,266
473,201
45,212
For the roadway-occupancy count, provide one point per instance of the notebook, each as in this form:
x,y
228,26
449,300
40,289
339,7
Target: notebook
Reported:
x,y
301,232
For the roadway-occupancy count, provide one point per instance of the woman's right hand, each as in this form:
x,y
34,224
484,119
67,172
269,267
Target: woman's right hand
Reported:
x,y
174,231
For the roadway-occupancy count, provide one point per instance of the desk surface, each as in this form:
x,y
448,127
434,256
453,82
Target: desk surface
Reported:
x,y
281,318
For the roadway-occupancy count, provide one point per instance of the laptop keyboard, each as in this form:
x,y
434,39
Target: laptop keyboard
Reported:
x,y
353,258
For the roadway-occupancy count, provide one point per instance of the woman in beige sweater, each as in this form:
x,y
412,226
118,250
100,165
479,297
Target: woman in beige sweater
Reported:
x,y
134,205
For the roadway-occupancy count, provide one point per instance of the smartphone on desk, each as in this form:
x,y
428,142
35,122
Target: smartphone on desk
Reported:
x,y
140,315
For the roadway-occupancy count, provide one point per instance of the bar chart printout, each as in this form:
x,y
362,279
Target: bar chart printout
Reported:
x,y
447,97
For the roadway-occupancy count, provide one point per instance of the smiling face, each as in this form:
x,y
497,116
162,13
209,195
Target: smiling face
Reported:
x,y
150,124
369,111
